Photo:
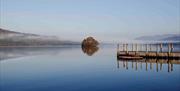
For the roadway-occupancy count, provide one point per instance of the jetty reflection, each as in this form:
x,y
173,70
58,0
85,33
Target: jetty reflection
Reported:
x,y
148,55
90,50
148,63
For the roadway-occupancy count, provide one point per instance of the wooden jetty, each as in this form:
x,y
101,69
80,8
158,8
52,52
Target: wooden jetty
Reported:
x,y
137,52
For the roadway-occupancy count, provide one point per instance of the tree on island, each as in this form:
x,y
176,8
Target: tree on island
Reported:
x,y
90,41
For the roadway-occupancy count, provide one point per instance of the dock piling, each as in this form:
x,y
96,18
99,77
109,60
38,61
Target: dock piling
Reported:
x,y
157,50
171,47
146,48
118,47
161,47
132,47
136,47
123,47
151,51
126,48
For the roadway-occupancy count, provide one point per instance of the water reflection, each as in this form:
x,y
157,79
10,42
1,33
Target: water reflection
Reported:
x,y
148,63
90,50
67,69
13,52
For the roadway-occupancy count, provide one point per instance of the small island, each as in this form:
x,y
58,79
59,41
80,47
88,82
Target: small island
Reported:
x,y
90,46
90,41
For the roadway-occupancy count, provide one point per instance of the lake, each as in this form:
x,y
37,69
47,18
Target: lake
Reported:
x,y
72,68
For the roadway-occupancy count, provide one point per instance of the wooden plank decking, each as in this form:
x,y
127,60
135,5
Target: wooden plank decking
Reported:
x,y
135,54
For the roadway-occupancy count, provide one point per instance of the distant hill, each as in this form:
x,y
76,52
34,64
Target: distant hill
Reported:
x,y
166,37
11,38
3,31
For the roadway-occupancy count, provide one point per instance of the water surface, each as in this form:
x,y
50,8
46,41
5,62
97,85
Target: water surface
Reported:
x,y
72,69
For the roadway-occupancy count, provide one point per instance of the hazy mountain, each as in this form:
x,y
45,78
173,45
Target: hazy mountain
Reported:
x,y
11,38
166,37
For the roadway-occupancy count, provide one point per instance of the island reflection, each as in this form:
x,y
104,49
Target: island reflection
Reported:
x,y
90,50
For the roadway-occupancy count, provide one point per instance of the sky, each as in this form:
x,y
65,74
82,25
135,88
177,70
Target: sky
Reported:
x,y
106,20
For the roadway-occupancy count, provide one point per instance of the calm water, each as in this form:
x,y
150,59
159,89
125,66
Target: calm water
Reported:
x,y
76,69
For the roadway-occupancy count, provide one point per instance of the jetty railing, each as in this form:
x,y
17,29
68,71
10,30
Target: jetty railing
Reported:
x,y
140,51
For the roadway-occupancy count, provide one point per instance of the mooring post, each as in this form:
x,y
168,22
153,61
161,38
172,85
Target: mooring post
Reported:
x,y
157,48
172,47
117,47
146,48
169,49
141,46
161,47
132,47
146,54
123,47
136,48
126,48
150,49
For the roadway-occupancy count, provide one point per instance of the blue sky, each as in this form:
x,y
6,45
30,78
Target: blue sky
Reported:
x,y
107,20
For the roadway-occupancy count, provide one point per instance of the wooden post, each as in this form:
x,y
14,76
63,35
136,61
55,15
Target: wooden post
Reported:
x,y
146,48
161,47
123,47
150,49
171,47
142,47
118,48
157,48
126,48
132,48
136,48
